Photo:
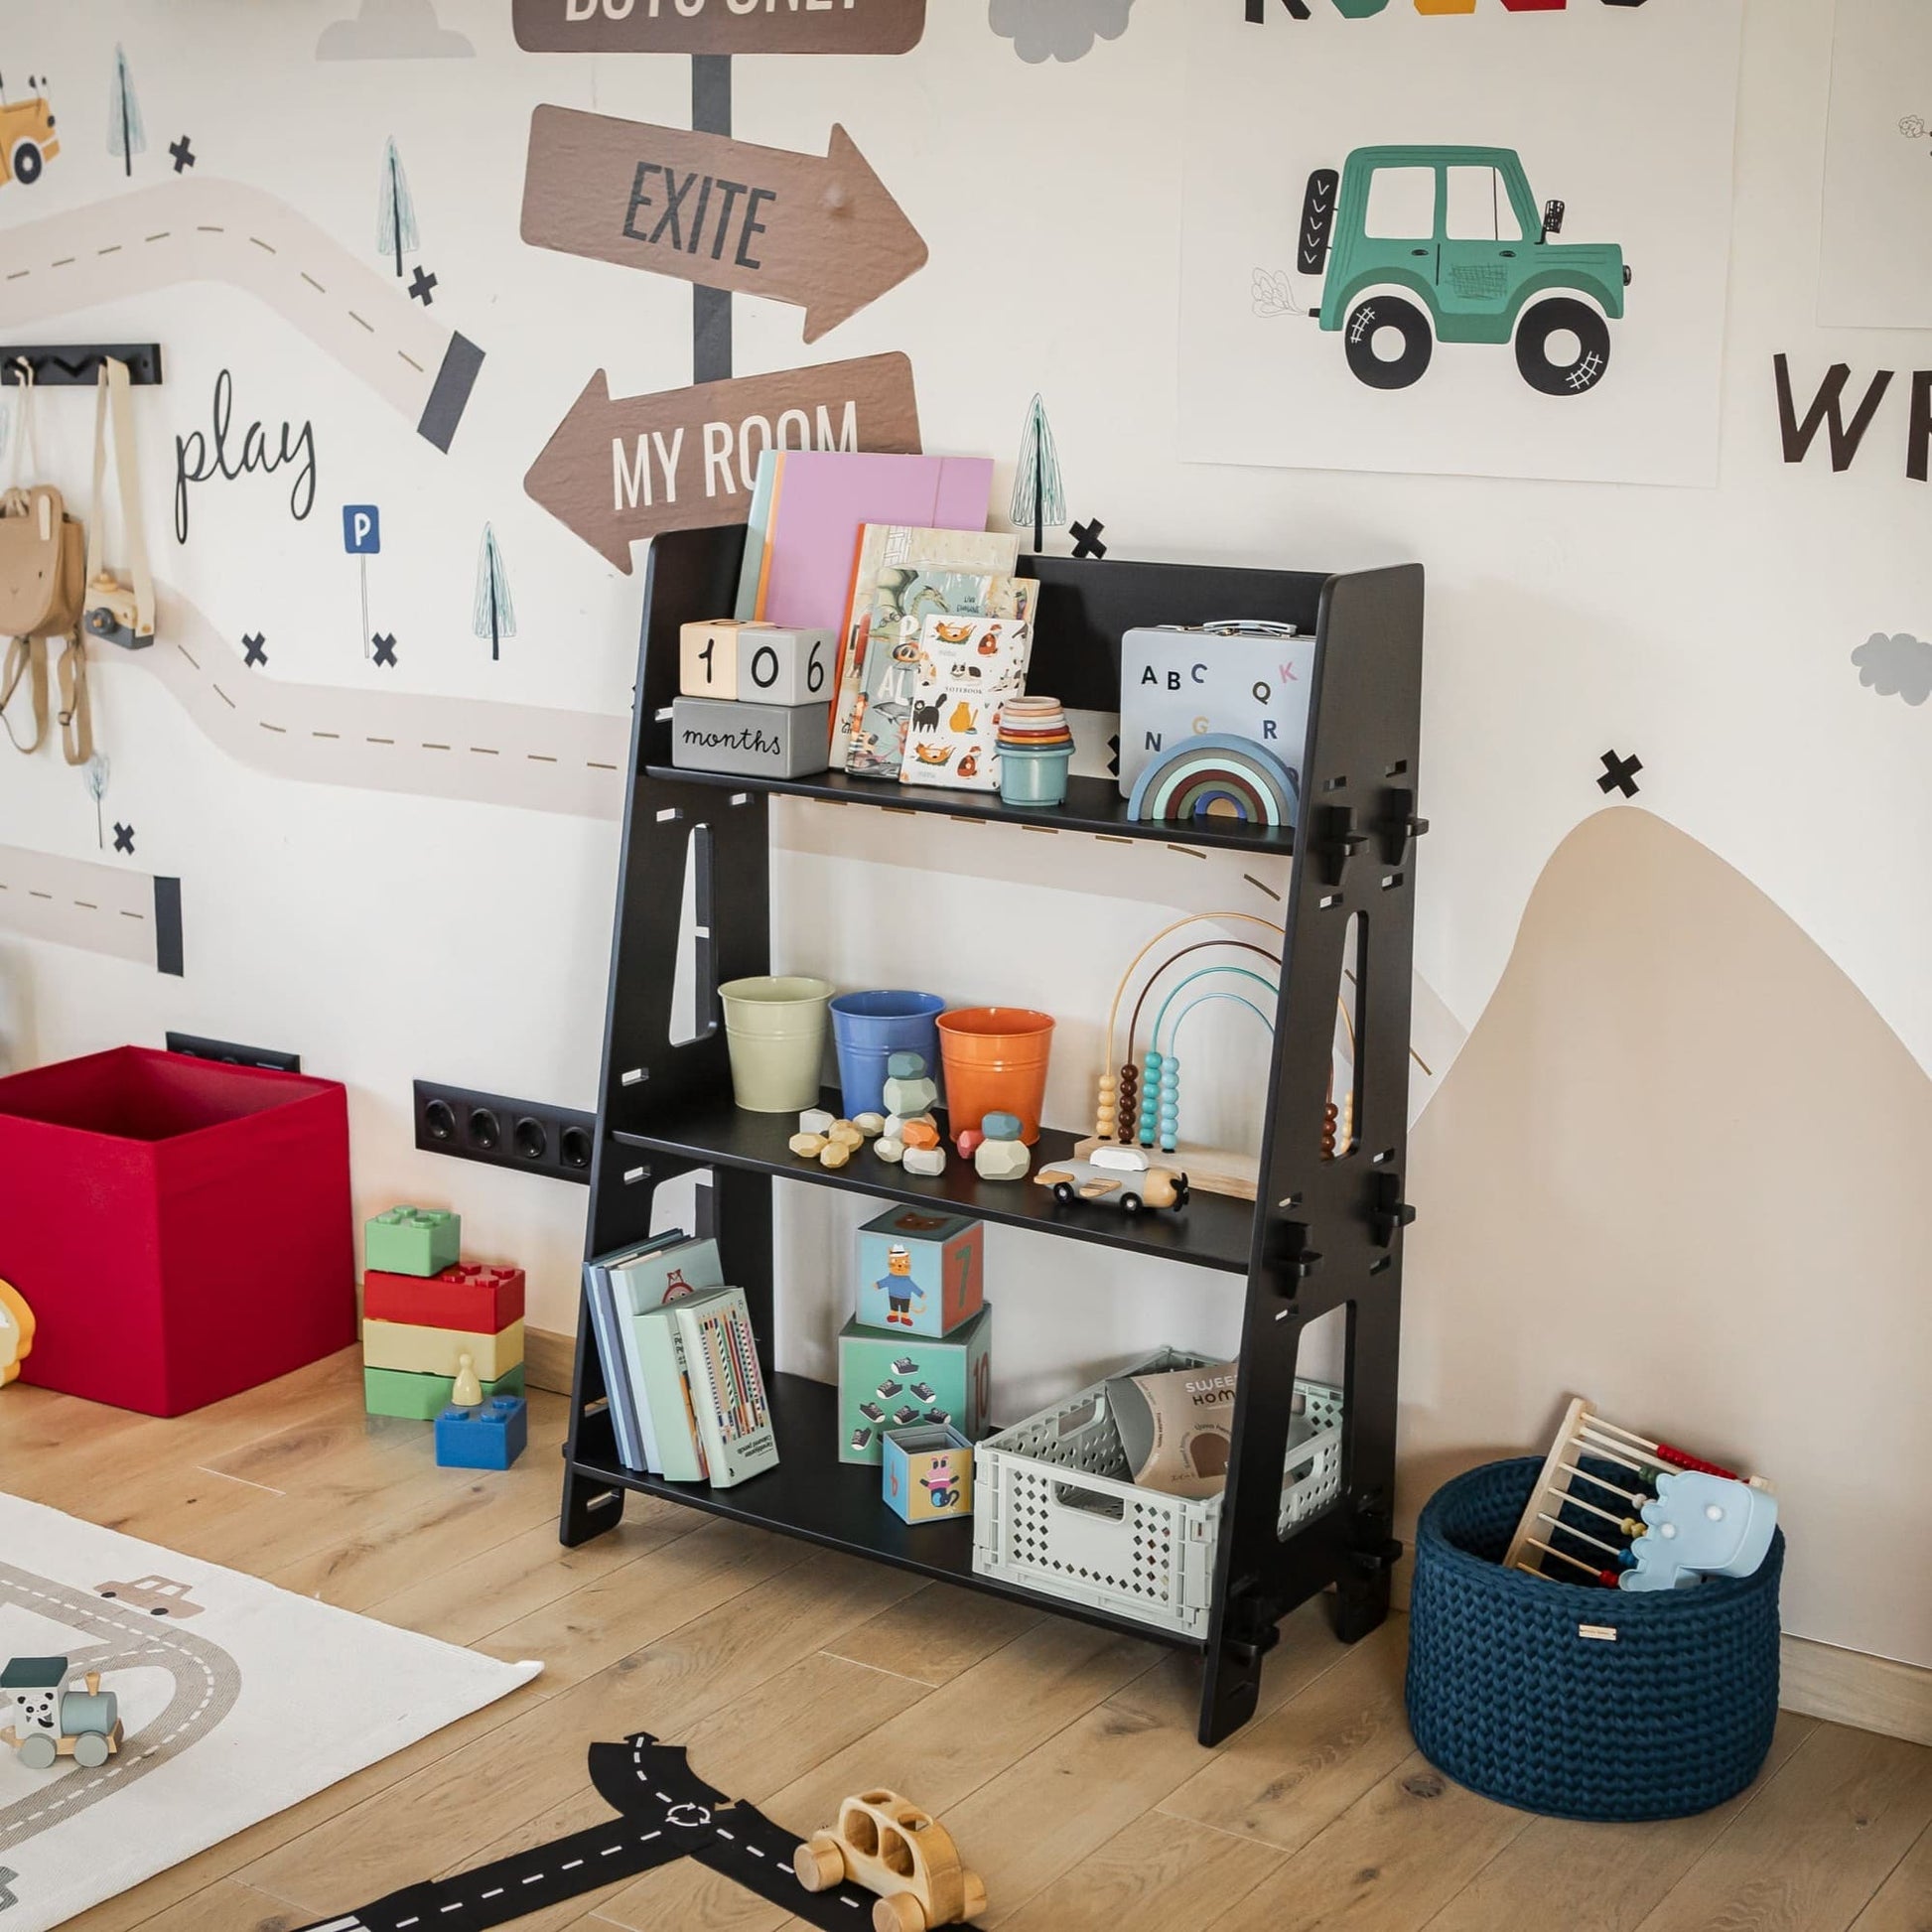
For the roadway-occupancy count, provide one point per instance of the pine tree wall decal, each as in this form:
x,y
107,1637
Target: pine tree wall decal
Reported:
x,y
494,616
95,770
1038,496
126,137
395,219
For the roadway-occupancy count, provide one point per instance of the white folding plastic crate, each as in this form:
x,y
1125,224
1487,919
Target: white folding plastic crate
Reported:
x,y
1101,1540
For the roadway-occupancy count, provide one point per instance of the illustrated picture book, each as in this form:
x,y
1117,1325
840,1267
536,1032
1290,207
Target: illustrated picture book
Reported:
x,y
967,669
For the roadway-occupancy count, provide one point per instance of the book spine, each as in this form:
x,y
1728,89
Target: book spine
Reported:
x,y
733,1415
616,1376
670,1401
626,1329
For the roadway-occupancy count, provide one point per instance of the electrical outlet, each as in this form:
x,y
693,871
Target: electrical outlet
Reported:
x,y
524,1134
200,1048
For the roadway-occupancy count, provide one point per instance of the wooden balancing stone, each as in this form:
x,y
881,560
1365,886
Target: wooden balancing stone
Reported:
x,y
891,1846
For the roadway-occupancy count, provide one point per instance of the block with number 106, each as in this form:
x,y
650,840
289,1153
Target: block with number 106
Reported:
x,y
763,662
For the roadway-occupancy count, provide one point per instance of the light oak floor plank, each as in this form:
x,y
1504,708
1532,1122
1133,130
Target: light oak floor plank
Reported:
x,y
1812,1850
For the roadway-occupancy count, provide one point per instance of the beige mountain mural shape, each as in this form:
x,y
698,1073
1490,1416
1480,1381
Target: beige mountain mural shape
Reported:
x,y
1682,1168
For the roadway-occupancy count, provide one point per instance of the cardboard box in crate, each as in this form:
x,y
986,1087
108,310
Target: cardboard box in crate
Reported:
x,y
181,1229
1056,1510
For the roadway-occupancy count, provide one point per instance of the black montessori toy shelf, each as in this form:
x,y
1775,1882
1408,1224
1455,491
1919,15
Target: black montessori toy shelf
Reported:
x,y
1324,1235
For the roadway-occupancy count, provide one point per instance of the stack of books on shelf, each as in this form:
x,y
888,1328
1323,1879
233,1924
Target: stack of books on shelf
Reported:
x,y
888,561
680,1363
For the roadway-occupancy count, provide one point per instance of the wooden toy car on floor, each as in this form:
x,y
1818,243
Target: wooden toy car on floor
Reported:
x,y
889,1846
1122,1176
84,1725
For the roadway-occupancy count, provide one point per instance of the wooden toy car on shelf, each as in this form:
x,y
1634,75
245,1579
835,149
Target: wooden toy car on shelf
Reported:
x,y
1123,1176
888,1844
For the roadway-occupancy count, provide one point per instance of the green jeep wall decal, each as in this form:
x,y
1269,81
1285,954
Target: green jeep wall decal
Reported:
x,y
1421,243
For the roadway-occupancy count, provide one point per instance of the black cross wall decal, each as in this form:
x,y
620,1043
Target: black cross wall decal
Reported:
x,y
1086,538
125,839
1620,773
256,645
385,649
182,153
421,286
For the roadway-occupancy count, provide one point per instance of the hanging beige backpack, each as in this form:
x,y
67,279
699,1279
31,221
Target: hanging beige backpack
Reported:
x,y
43,575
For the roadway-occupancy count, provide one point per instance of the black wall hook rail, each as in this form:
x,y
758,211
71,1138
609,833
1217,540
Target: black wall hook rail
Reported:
x,y
76,366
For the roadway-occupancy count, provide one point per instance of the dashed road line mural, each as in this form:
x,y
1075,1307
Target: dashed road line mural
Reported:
x,y
212,230
98,908
435,747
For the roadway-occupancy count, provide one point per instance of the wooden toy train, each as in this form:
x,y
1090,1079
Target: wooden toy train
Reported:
x,y
83,1725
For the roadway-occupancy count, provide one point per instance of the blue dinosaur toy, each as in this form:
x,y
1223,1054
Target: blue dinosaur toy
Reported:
x,y
1697,1526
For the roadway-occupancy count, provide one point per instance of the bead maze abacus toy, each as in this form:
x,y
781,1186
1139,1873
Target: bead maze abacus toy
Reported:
x,y
1674,1516
1137,1100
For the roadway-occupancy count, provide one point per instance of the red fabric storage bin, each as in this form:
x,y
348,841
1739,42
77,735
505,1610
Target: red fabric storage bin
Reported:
x,y
181,1229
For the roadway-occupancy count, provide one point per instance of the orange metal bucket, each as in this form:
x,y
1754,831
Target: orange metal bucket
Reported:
x,y
996,1063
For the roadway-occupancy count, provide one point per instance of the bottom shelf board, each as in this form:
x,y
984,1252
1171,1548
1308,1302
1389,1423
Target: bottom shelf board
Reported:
x,y
811,1494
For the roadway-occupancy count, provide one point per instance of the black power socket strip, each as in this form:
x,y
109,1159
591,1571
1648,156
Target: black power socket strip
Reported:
x,y
522,1134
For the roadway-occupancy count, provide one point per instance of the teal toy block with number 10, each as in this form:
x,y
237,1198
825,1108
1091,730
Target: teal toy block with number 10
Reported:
x,y
890,1379
412,1241
920,1272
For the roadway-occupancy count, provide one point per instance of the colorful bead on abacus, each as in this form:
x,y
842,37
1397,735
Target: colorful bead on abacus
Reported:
x,y
1150,1097
1105,1113
1130,1086
1169,1104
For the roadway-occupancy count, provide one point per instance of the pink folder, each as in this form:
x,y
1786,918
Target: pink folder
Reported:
x,y
820,500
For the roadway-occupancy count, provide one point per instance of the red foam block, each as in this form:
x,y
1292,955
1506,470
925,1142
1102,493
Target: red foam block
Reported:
x,y
473,1299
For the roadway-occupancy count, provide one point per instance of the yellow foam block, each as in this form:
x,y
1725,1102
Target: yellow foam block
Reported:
x,y
434,1351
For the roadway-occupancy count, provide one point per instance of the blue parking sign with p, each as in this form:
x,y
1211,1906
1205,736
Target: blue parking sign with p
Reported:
x,y
361,530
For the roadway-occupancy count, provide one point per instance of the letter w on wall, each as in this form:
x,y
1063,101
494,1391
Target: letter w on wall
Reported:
x,y
1826,411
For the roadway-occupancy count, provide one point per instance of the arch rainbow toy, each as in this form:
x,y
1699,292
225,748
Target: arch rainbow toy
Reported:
x,y
1216,775
1136,1098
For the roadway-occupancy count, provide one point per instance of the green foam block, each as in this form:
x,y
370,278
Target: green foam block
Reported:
x,y
422,1397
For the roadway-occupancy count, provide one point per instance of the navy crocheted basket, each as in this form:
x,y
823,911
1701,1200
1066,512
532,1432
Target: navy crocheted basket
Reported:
x,y
1507,1698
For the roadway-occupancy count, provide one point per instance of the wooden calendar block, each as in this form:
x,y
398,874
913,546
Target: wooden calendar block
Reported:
x,y
776,665
709,655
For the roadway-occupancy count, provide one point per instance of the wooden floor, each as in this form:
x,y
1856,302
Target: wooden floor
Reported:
x,y
1061,1756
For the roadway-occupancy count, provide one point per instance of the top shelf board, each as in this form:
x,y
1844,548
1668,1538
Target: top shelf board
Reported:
x,y
1093,805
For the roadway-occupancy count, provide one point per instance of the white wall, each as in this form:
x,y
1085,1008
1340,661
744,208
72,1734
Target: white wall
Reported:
x,y
387,938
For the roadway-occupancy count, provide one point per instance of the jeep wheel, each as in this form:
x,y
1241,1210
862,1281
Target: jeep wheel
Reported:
x,y
27,163
1550,365
1369,332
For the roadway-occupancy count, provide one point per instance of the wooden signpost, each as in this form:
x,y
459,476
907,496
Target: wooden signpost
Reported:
x,y
620,470
717,26
821,232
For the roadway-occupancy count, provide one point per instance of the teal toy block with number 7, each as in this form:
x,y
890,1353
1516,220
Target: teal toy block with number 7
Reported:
x,y
412,1241
890,1379
920,1272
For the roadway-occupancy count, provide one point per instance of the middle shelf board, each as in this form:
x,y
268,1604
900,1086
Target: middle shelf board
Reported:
x,y
1093,807
1211,1232
814,1495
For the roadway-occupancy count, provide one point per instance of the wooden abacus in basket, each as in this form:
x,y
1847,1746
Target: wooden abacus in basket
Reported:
x,y
1615,1505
